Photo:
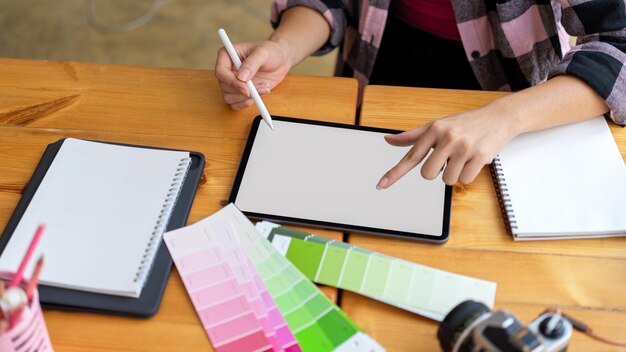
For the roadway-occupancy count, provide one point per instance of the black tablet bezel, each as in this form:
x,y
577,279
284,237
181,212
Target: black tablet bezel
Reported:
x,y
445,230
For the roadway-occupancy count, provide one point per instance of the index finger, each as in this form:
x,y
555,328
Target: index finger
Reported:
x,y
412,158
406,138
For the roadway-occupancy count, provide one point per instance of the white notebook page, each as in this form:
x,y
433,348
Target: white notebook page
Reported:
x,y
569,180
100,204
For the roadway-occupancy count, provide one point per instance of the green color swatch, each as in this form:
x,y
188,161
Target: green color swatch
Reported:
x,y
354,270
336,328
306,256
316,322
376,277
331,266
285,231
399,282
297,319
314,338
421,289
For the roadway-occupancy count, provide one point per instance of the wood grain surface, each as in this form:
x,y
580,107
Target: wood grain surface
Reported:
x,y
44,101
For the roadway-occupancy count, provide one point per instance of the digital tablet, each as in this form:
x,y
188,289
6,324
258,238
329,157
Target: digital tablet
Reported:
x,y
324,174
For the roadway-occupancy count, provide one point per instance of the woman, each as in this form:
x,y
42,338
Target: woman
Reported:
x,y
517,45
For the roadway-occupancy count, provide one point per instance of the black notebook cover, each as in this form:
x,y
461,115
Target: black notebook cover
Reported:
x,y
148,303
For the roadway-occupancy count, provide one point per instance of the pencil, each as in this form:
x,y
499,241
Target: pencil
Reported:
x,y
31,248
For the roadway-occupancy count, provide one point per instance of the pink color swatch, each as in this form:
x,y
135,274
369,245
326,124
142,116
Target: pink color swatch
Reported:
x,y
219,299
233,304
284,337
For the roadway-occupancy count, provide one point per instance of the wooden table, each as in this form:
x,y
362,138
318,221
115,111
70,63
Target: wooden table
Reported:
x,y
584,277
43,101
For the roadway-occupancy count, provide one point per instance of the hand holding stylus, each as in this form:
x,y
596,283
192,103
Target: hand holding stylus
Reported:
x,y
254,94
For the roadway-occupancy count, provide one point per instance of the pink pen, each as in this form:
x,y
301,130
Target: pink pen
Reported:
x,y
34,279
31,248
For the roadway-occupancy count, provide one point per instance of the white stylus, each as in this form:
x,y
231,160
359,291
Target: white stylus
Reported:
x,y
253,92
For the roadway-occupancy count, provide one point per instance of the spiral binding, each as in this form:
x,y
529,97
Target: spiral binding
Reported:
x,y
504,198
163,219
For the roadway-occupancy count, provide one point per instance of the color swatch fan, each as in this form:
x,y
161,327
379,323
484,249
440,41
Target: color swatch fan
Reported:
x,y
414,287
250,298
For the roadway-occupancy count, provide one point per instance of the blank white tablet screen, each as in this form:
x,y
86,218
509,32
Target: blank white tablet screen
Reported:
x,y
329,174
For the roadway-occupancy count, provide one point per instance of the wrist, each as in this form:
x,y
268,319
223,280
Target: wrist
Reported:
x,y
301,32
510,115
288,50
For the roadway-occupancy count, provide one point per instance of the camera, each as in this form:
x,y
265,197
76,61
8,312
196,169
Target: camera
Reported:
x,y
472,326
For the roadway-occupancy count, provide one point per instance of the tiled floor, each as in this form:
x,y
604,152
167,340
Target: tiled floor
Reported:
x,y
183,33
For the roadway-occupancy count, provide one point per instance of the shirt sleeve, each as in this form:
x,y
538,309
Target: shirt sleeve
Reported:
x,y
334,11
599,57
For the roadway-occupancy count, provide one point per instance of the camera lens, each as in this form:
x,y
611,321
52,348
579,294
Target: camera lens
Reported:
x,y
457,321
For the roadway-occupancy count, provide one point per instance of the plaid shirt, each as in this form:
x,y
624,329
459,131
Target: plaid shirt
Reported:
x,y
511,45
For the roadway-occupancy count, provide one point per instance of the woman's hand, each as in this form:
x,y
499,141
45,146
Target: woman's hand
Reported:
x,y
468,141
301,32
462,144
266,63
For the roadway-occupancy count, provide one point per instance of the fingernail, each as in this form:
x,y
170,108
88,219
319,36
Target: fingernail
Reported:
x,y
263,87
264,90
382,183
244,74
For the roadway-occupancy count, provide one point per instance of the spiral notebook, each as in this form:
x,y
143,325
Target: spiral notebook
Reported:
x,y
105,208
564,182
